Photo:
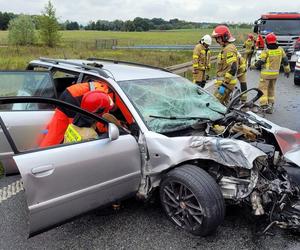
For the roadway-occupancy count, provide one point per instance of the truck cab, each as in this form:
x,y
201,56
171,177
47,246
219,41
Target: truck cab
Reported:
x,y
286,26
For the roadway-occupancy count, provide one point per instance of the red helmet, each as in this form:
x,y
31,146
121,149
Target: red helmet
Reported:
x,y
250,36
96,102
271,38
224,32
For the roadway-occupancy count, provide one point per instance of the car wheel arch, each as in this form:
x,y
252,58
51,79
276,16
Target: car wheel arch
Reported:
x,y
188,175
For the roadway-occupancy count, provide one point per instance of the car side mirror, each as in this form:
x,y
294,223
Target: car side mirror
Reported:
x,y
113,132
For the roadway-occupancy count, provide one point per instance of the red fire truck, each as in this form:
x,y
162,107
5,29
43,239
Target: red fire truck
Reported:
x,y
286,26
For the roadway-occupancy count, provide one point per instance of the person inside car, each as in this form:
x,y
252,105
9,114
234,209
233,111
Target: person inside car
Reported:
x,y
85,128
55,130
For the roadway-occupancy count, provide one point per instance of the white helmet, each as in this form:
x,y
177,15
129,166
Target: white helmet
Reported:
x,y
206,39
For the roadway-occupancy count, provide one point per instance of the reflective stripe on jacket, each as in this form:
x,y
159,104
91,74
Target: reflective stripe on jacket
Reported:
x,y
249,45
201,57
241,65
225,59
272,59
76,134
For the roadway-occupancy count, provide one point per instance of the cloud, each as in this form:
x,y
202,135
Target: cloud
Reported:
x,y
190,10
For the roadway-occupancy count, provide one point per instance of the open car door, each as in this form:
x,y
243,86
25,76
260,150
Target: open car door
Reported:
x,y
23,120
66,180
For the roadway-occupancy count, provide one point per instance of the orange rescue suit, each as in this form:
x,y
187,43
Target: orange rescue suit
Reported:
x,y
63,117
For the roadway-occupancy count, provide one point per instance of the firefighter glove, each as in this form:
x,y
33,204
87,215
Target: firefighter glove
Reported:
x,y
222,90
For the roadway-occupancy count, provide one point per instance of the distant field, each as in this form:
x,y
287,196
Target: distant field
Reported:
x,y
79,44
17,58
140,38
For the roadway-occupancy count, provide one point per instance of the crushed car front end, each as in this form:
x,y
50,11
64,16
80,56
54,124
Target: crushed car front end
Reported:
x,y
248,156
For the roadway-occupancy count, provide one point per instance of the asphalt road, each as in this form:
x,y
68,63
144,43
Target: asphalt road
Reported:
x,y
140,226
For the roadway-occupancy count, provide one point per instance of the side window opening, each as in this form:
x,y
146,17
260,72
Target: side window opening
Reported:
x,y
63,79
28,136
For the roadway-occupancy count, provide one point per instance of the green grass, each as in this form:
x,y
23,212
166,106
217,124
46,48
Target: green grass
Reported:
x,y
81,44
191,36
18,58
141,38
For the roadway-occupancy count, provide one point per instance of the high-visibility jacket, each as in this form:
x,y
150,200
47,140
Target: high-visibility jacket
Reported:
x,y
249,46
63,117
271,61
76,134
241,65
226,58
201,57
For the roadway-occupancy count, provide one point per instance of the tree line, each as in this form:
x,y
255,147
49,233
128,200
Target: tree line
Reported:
x,y
137,24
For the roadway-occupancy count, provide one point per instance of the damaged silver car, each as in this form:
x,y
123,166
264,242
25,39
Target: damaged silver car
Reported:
x,y
174,138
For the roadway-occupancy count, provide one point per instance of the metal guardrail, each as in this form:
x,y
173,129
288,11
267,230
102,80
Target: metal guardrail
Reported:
x,y
184,67
168,47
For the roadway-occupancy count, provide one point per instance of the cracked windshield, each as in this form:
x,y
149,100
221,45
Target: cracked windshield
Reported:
x,y
169,104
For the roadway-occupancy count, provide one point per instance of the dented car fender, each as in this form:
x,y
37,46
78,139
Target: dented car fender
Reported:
x,y
166,152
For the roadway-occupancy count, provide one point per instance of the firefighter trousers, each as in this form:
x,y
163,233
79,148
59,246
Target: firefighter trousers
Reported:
x,y
267,86
248,57
199,76
243,86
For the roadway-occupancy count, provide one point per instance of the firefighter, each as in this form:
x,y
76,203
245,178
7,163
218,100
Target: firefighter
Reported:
x,y
260,44
249,45
269,63
242,76
82,127
226,64
63,117
201,60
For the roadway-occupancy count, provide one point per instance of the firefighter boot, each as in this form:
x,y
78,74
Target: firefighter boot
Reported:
x,y
270,109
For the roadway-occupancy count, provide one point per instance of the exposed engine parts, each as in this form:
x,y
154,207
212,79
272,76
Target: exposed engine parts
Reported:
x,y
256,202
261,176
239,129
267,188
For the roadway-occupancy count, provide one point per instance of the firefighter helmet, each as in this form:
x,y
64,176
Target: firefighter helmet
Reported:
x,y
96,102
271,38
223,32
206,39
250,36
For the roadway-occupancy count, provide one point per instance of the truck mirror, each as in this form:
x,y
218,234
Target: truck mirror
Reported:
x,y
255,29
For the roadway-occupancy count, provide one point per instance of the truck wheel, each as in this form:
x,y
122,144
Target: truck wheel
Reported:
x,y
192,200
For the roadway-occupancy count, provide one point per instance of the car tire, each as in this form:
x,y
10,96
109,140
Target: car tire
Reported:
x,y
192,200
296,81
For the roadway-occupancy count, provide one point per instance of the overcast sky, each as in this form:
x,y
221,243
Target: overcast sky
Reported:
x,y
190,10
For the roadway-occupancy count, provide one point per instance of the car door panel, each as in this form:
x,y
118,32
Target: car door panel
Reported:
x,y
63,182
23,127
26,128
27,115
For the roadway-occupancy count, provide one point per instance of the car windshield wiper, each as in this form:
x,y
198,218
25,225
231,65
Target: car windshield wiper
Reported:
x,y
179,118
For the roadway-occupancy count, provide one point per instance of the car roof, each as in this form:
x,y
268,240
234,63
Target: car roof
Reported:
x,y
119,71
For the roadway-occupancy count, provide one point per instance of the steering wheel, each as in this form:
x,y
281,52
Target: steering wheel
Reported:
x,y
250,103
